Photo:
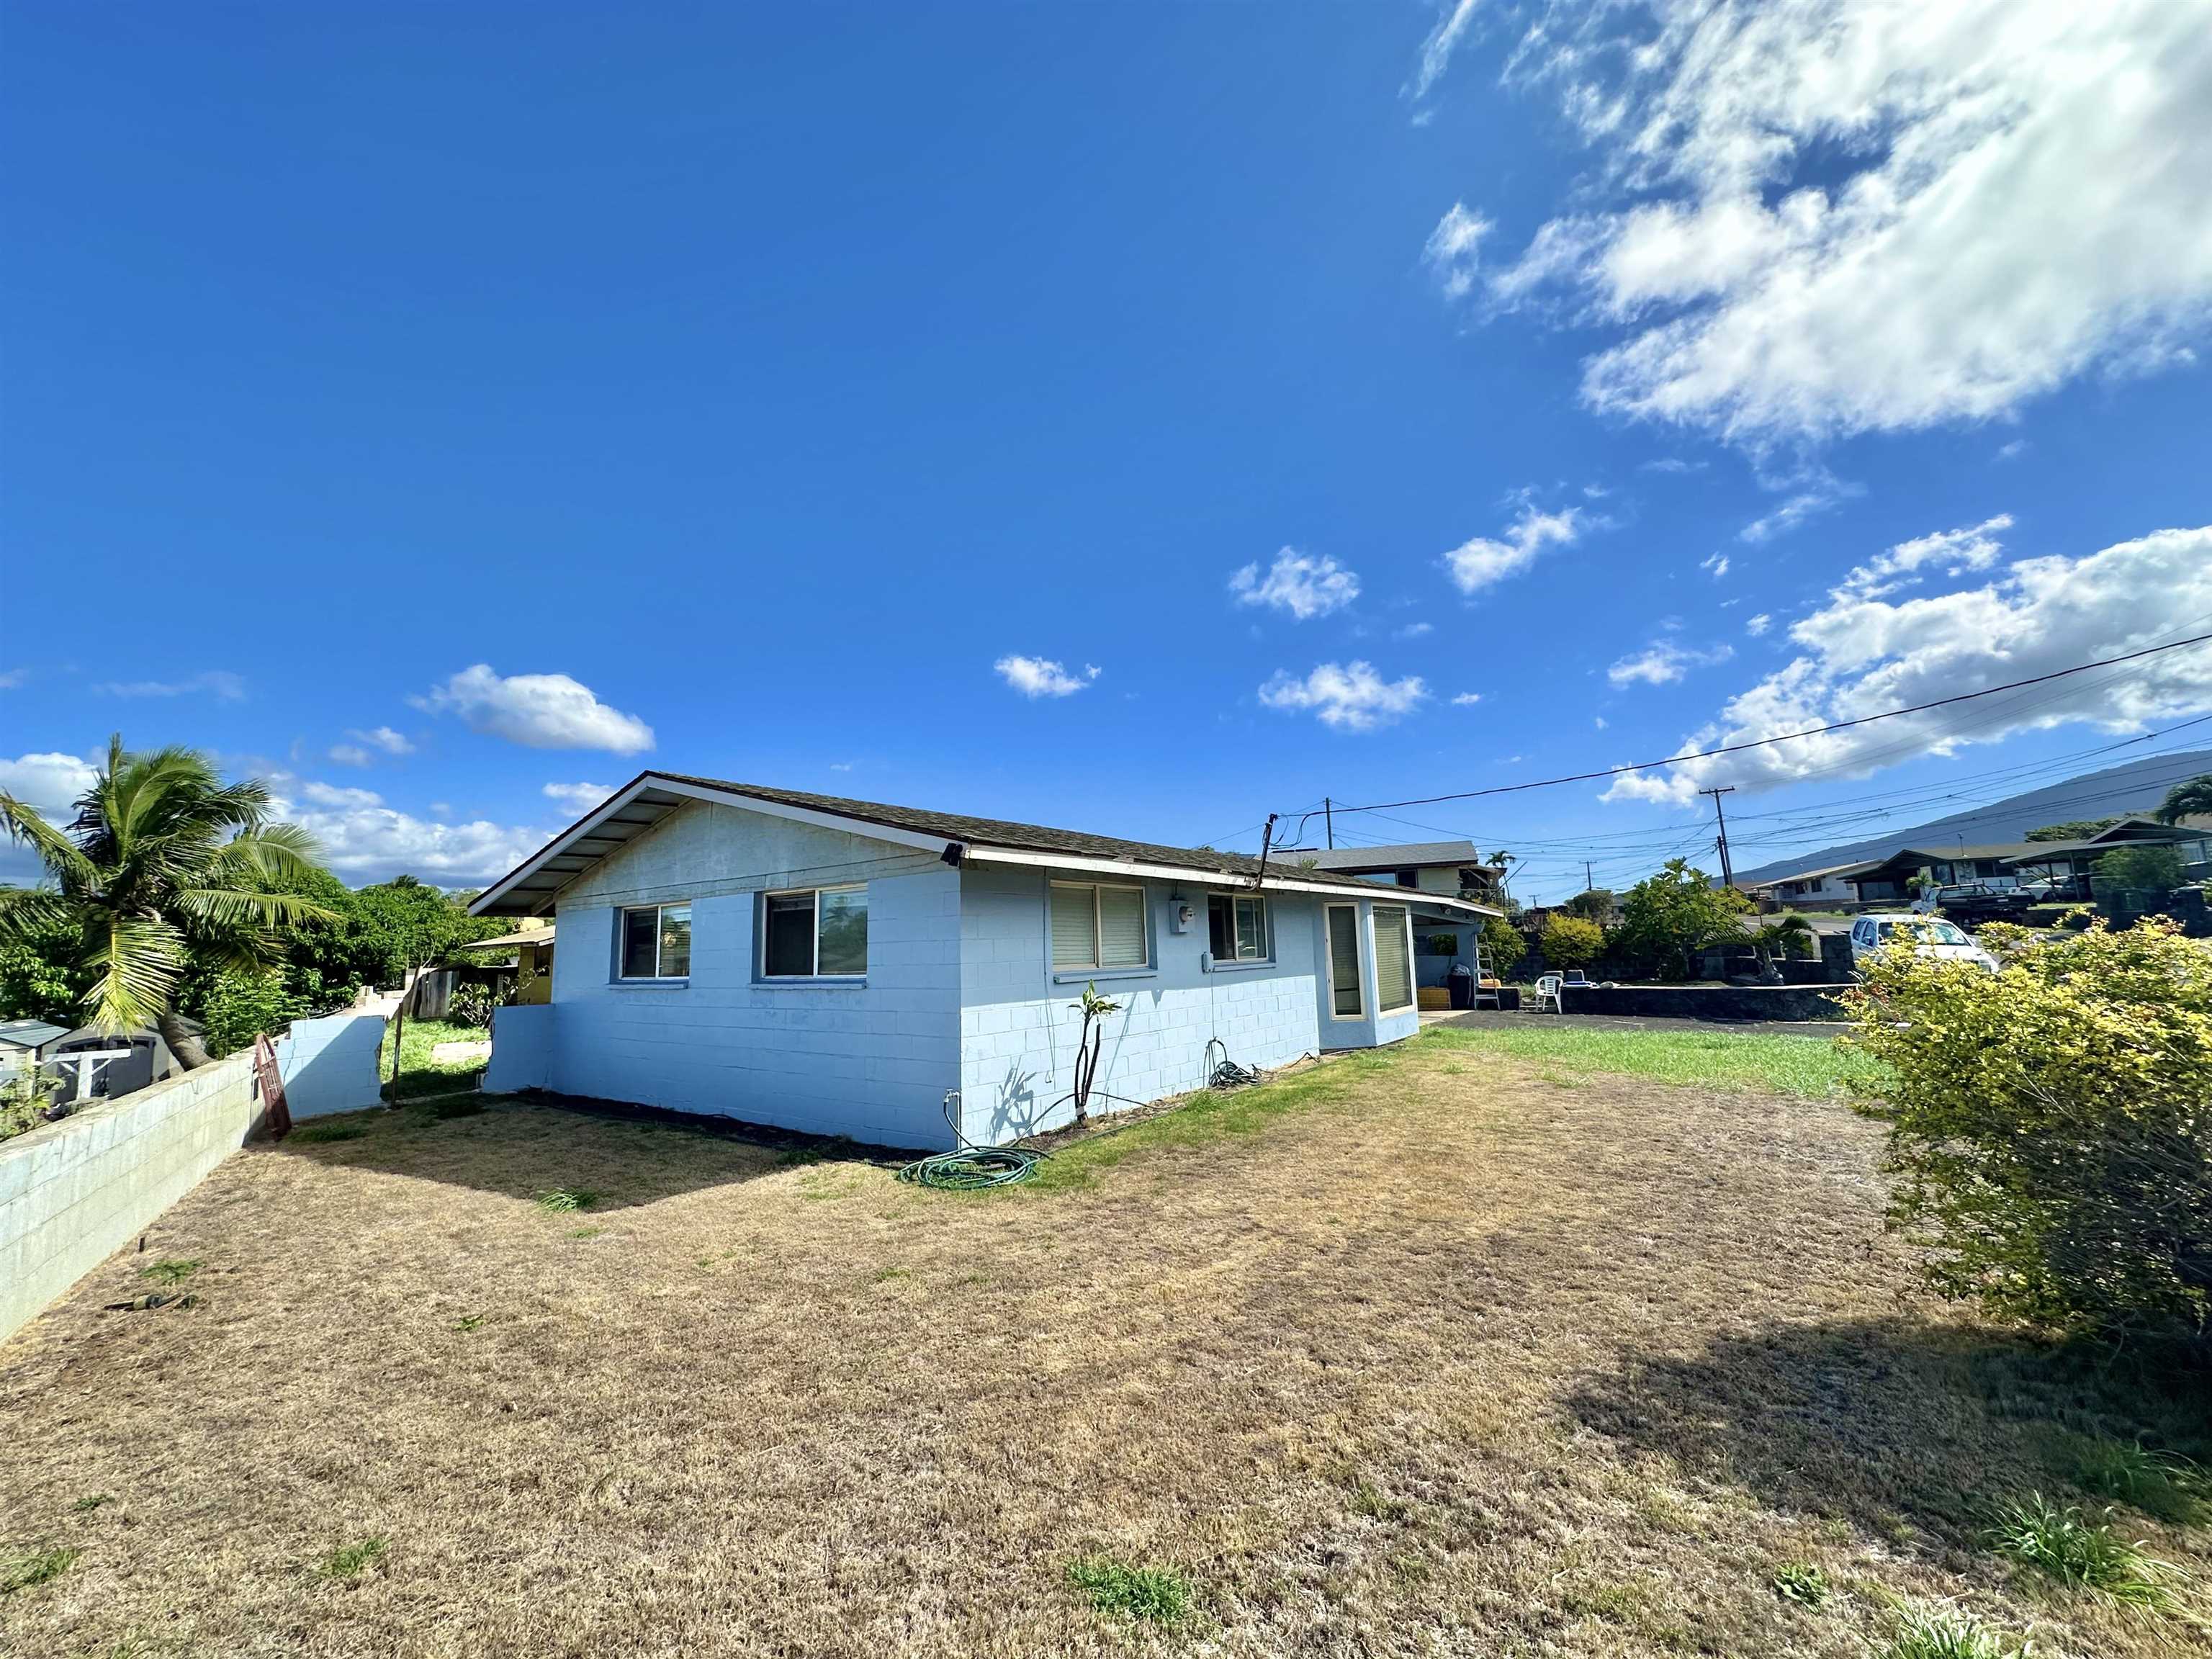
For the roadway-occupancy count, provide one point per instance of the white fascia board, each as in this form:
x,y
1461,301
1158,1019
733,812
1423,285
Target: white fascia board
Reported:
x,y
662,784
1197,875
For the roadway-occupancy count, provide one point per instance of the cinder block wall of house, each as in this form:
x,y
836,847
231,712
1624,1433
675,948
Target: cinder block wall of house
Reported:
x,y
872,1059
1017,1032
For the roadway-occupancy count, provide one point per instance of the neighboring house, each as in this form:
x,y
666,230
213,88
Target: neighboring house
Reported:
x,y
2008,864
133,1059
1826,886
845,967
24,1043
528,953
1445,868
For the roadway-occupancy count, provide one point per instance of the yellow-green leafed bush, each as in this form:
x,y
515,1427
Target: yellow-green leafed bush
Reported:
x,y
2049,1125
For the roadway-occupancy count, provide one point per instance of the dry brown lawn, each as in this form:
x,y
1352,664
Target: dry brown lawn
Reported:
x,y
1449,1355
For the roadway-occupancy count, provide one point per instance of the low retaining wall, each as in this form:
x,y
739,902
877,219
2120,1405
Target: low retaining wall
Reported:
x,y
331,1065
73,1193
1713,1002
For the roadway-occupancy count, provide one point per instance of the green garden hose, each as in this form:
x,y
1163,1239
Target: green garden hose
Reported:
x,y
968,1168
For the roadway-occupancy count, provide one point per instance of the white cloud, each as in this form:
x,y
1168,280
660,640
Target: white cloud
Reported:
x,y
351,754
1452,19
1671,463
326,794
1352,697
1860,654
1299,583
1876,218
2013,450
12,678
1475,564
1757,625
1598,721
1664,662
219,682
1040,676
578,798
1466,699
384,738
1454,251
48,784
372,843
541,711
1413,630
1959,551
1718,564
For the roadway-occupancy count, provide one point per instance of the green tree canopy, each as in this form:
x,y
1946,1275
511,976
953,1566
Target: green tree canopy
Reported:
x,y
162,862
1667,918
2187,800
2138,870
2072,829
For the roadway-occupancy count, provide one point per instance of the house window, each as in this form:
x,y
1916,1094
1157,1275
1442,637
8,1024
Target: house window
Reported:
x,y
656,941
821,932
1345,1000
1237,926
1394,958
1098,927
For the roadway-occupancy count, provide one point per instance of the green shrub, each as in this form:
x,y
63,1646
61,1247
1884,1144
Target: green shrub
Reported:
x,y
473,1005
1667,919
238,1006
2151,870
1803,1583
1945,1632
2048,1125
1503,945
1571,941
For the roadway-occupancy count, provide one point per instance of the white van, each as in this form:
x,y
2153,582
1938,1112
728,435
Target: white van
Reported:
x,y
1927,936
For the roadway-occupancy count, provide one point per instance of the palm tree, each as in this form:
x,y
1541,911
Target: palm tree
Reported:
x,y
2189,799
161,859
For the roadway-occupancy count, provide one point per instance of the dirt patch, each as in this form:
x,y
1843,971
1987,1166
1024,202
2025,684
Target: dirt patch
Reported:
x,y
1443,1358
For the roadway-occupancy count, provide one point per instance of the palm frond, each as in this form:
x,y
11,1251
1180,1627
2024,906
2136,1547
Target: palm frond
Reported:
x,y
228,910
139,961
68,864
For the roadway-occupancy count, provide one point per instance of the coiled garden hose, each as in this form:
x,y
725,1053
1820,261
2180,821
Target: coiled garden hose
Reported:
x,y
968,1168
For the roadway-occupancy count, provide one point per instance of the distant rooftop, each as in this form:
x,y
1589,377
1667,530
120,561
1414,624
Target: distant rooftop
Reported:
x,y
1407,855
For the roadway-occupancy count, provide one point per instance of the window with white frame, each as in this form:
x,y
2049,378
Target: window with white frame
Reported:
x,y
1237,926
1394,958
656,942
818,933
1096,926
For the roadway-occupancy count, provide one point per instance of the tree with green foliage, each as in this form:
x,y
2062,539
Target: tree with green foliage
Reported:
x,y
1503,945
2072,829
1595,904
40,977
1571,941
2048,1124
162,862
2187,800
1667,918
2149,870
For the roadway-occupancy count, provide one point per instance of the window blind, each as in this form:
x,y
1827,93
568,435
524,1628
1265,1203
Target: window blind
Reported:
x,y
1074,927
1343,960
1394,958
1121,942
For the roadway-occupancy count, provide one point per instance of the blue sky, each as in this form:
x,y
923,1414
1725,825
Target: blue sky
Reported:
x,y
441,409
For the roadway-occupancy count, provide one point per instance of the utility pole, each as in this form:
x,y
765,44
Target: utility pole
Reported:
x,y
1728,872
1588,885
1328,817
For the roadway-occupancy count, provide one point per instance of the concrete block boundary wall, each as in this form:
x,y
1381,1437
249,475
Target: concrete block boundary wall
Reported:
x,y
74,1193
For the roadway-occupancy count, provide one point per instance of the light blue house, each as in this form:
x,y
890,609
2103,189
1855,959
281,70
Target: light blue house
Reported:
x,y
843,967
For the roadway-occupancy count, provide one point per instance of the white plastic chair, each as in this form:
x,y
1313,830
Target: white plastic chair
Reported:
x,y
1547,994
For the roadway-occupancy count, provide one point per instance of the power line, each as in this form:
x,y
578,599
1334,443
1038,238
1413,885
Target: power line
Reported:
x,y
1790,737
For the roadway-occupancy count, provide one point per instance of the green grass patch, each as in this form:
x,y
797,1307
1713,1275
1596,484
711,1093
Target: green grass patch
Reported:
x,y
2082,1554
316,1134
2160,1483
1946,1633
419,1074
567,1200
1777,1062
22,1573
170,1273
1149,1595
351,1560
1803,1583
91,1501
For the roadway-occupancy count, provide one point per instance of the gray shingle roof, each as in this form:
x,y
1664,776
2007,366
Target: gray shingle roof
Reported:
x,y
1405,856
995,832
